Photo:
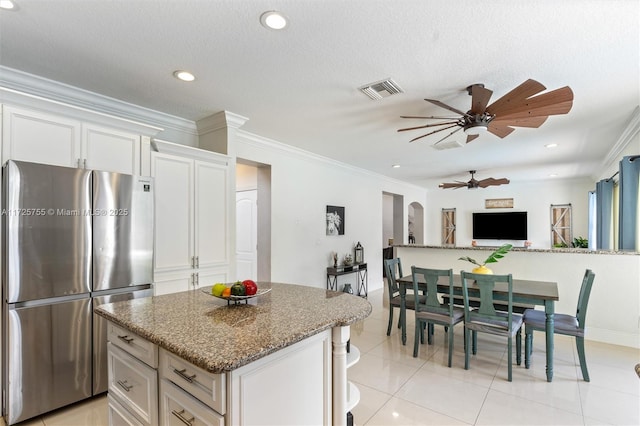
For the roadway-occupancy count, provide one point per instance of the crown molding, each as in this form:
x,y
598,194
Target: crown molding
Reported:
x,y
627,136
189,152
262,142
31,91
219,121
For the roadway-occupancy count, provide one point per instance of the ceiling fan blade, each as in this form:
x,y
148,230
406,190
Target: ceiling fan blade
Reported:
x,y
558,101
430,117
557,109
500,131
445,106
479,99
521,122
471,137
427,125
450,185
436,131
492,182
456,130
523,91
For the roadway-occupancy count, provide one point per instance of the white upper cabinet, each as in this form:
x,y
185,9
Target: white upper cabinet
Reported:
x,y
211,193
174,213
40,138
192,218
111,150
43,138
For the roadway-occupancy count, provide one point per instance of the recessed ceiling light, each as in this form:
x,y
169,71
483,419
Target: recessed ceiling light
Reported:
x,y
183,75
396,166
551,145
273,20
553,175
7,4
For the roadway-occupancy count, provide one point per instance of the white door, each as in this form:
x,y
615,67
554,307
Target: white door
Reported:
x,y
247,235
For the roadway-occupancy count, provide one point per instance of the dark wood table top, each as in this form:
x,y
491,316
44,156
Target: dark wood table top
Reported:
x,y
541,290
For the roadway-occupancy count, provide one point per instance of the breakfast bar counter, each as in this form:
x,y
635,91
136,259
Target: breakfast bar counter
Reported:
x,y
288,344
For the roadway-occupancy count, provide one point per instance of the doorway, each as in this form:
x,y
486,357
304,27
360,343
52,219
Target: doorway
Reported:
x,y
253,221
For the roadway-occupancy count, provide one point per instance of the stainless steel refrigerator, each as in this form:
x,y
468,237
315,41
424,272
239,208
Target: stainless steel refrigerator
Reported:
x,y
72,239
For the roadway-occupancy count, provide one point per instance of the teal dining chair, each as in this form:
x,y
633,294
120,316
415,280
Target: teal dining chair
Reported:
x,y
568,325
430,310
393,271
485,318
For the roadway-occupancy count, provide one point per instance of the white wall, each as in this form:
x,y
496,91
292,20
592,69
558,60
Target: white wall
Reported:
x,y
302,186
534,198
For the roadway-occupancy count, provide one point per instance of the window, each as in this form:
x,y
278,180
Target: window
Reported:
x,y
449,227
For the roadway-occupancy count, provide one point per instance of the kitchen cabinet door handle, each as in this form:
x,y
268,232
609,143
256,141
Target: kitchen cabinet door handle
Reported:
x,y
197,261
179,415
78,162
123,385
183,375
84,162
126,339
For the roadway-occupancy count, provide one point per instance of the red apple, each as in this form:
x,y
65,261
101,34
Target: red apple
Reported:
x,y
250,287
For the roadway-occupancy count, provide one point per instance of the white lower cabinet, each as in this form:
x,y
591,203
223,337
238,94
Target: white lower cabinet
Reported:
x,y
177,407
208,387
134,384
292,386
119,416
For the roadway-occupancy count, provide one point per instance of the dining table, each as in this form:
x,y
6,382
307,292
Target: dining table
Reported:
x,y
528,292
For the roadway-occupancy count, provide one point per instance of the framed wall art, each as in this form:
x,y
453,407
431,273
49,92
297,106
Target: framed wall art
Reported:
x,y
335,220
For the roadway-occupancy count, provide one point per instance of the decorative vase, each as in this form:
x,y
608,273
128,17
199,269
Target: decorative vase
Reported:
x,y
347,288
481,270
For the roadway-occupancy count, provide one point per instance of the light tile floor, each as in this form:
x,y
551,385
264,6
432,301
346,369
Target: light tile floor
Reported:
x,y
397,389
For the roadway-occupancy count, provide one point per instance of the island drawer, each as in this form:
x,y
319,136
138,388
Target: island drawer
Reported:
x,y
118,415
208,387
177,407
137,346
133,384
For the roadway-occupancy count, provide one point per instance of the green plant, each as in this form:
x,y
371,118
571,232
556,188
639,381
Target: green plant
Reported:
x,y
560,245
497,254
580,242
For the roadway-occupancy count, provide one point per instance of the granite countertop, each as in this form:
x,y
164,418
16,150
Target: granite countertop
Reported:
x,y
205,331
524,249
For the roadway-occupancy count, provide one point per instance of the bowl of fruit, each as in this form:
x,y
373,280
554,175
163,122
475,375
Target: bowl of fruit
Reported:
x,y
236,292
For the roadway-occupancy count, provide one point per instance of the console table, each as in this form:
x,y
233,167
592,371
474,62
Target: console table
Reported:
x,y
362,281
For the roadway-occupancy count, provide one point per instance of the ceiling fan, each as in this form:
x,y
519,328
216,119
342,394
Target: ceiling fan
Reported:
x,y
518,108
473,183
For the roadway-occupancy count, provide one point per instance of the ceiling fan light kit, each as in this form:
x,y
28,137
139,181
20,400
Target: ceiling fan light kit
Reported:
x,y
523,106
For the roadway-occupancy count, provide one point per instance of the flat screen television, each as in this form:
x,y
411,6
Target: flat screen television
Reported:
x,y
500,226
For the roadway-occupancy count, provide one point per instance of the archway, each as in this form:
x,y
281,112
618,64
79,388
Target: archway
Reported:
x,y
416,223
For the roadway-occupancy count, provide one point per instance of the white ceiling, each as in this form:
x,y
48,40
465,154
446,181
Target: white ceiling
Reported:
x,y
299,86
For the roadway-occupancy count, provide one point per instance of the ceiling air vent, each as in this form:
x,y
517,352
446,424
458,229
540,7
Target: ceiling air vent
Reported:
x,y
381,89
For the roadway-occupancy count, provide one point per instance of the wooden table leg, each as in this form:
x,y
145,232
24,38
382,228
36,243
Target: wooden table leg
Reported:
x,y
549,311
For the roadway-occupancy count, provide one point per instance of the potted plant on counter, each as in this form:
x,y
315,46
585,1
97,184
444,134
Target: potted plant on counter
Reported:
x,y
497,254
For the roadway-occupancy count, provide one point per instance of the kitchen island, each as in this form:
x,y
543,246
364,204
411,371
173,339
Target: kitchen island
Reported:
x,y
279,359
